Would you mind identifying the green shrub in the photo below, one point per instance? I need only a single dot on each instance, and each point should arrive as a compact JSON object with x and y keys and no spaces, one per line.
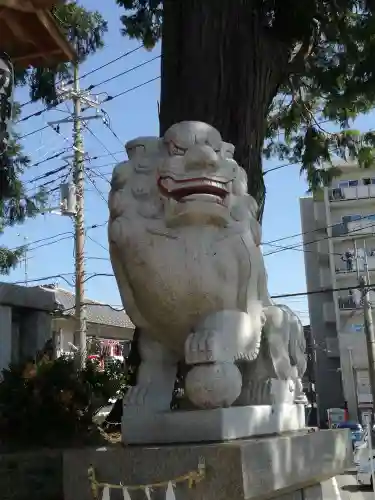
{"x":52,"y":402}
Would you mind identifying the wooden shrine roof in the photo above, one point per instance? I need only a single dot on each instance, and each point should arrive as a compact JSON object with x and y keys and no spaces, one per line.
{"x":30,"y":35}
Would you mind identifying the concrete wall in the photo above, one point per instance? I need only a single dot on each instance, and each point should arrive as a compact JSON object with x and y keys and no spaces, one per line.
{"x":25,"y":476}
{"x":35,"y":328}
{"x":328,"y":376}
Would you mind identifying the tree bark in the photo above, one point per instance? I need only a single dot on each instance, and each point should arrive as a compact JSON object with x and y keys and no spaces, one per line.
{"x":222,"y":67}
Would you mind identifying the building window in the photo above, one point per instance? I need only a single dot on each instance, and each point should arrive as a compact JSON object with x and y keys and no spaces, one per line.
{"x":368,"y":181}
{"x":345,"y":184}
{"x":351,"y":218}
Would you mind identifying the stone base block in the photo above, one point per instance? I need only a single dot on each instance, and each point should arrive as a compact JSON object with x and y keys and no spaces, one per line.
{"x":286,"y":467}
{"x":222,"y":424}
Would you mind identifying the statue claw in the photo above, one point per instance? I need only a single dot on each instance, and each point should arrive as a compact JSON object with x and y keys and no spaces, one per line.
{"x":224,"y":336}
{"x":136,"y":396}
{"x":200,"y":348}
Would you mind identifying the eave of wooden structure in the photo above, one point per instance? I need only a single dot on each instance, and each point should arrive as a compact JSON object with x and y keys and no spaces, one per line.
{"x":30,"y":35}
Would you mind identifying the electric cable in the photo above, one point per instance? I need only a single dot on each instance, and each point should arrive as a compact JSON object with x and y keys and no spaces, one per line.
{"x":100,"y":142}
{"x":322,"y":228}
{"x":71,"y":233}
{"x":85,"y":75}
{"x":110,"y":79}
{"x":286,"y":295}
{"x":298,"y":245}
{"x":50,"y":108}
{"x":97,"y":189}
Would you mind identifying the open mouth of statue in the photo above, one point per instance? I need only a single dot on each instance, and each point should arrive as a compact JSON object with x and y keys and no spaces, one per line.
{"x":186,"y":190}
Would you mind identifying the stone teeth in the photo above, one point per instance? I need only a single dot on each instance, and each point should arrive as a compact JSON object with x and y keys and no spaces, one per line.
{"x":170,"y":185}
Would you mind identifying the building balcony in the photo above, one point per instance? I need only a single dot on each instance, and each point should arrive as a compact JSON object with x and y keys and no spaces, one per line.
{"x":354,"y":229}
{"x":342,"y":270}
{"x":344,"y":196}
{"x":347,"y":304}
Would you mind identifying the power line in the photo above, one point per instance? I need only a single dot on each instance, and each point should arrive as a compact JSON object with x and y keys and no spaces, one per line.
{"x":34,"y":132}
{"x":47,"y":174}
{"x":46,"y":278}
{"x":62,"y":276}
{"x":278,"y":167}
{"x":97,"y":304}
{"x":52,"y":157}
{"x":50,"y":243}
{"x":295,"y":235}
{"x":91,"y":87}
{"x":286,"y":295}
{"x":350,"y":231}
{"x":98,"y":174}
{"x":100,"y":142}
{"x":92,"y":71}
{"x":97,"y":189}
{"x":93,"y":226}
{"x":109,"y":98}
{"x":44,"y":184}
{"x":43,"y":239}
{"x":281,"y":247}
{"x":49,"y":108}
{"x":97,"y":243}
{"x":315,"y":292}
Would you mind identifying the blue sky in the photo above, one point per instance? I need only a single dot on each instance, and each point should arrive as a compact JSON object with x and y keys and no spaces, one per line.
{"x":132,"y":115}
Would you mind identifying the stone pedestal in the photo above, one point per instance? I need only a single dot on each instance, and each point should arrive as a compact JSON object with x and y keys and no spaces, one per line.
{"x":221,"y":424}
{"x":290,"y":467}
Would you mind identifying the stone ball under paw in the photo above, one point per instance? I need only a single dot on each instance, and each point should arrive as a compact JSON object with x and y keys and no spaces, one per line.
{"x":215,"y":385}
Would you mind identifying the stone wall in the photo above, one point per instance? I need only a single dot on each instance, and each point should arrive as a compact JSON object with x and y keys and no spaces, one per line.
{"x":31,"y":476}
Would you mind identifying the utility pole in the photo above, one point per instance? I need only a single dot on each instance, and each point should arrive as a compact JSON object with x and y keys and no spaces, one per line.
{"x":368,"y":323}
{"x":78,"y":96}
{"x":79,"y":181}
{"x":26,"y":263}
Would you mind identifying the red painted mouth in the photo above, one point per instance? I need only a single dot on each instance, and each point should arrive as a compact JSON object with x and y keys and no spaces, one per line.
{"x":178,"y":190}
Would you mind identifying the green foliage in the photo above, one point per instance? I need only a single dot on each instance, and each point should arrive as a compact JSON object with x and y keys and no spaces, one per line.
{"x":328,"y":75}
{"x":51,"y":402}
{"x":108,"y":383}
{"x":144,"y":21}
{"x":85,"y":30}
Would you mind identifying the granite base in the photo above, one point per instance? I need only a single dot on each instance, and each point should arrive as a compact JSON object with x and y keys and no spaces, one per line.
{"x":285,"y":467}
{"x":222,"y":424}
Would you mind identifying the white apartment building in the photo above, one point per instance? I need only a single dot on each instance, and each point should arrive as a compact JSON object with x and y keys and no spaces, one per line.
{"x":338,"y":220}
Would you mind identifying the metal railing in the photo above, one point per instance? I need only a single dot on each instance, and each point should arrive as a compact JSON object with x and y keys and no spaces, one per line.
{"x":352,"y":193}
{"x":366,"y":226}
{"x":347,"y":303}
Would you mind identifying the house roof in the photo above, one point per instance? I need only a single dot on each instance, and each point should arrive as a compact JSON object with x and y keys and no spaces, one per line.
{"x":30,"y":34}
{"x":96,"y":312}
{"x":56,"y":300}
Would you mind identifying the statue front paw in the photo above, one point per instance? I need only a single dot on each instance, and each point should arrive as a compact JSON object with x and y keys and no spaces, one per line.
{"x":136,"y":396}
{"x":225,"y":336}
{"x":201,"y":347}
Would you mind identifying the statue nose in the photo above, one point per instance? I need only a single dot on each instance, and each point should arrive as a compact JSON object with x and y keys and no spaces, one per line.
{"x":201,"y":157}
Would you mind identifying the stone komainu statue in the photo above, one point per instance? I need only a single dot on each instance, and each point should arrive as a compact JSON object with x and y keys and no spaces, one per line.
{"x":185,"y":250}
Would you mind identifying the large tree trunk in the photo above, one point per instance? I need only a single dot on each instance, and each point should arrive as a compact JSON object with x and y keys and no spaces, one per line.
{"x":220,"y":66}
